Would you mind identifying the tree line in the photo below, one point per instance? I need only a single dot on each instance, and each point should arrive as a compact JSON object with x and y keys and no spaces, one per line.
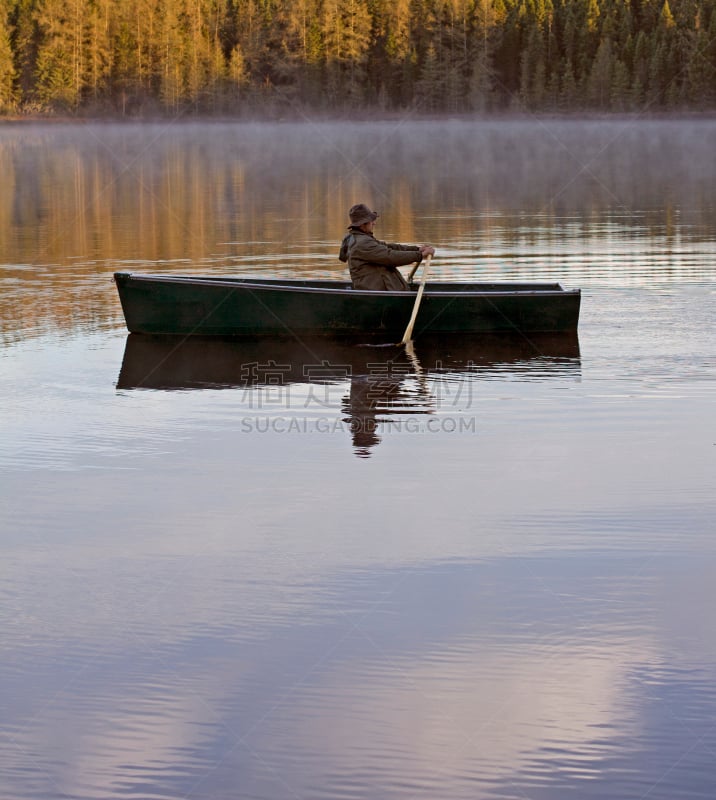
{"x":136,"y":57}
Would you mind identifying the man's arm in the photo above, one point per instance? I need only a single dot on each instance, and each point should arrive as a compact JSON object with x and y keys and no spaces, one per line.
{"x":388,"y":255}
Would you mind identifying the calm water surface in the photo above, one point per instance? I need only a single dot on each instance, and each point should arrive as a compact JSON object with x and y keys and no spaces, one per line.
{"x":302,"y":570}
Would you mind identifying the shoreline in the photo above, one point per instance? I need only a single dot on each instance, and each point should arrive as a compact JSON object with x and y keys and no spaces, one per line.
{"x":358,"y":118}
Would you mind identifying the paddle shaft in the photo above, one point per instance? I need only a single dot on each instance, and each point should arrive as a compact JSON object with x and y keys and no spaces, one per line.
{"x":414,"y":269}
{"x":409,"y":330}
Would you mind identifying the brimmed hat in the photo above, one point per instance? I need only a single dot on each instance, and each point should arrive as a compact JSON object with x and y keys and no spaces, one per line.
{"x":360,"y":214}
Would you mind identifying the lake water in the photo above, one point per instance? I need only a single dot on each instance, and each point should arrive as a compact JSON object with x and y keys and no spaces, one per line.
{"x":321,"y":571}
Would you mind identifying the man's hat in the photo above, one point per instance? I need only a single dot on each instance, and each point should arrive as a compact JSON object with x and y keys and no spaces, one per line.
{"x":360,"y":214}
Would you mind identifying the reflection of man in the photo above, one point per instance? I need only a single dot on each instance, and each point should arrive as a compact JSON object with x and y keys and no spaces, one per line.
{"x":363,"y":417}
{"x":370,"y":396}
{"x":373,"y":264}
{"x":376,"y":398}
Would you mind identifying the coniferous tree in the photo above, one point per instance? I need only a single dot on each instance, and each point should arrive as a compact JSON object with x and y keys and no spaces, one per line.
{"x":480,"y":82}
{"x":667,"y":18}
{"x":508,"y":54}
{"x":392,"y":65}
{"x":489,"y":16}
{"x":452,"y":52}
{"x":7,"y":68}
{"x":59,"y":69}
{"x":346,"y":39}
{"x":98,"y":49}
{"x":170,"y":56}
{"x":125,"y":78}
{"x":295,"y":46}
{"x":247,"y":29}
{"x":238,"y":75}
{"x":22,"y":28}
{"x":700,"y":74}
{"x":533,"y":84}
{"x":640,"y":70}
{"x":205,"y":67}
{"x":569,"y":93}
{"x":428,"y":90}
{"x":620,"y":99}
{"x":657,"y":76}
{"x":599,"y":83}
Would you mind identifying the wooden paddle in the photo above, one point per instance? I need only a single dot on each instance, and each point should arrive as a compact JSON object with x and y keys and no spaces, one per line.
{"x":413,"y":270}
{"x":409,"y":330}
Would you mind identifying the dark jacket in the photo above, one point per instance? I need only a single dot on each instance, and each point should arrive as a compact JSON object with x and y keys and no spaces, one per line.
{"x":373,"y":263}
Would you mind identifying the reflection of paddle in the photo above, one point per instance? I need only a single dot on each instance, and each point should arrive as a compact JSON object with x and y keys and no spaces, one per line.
{"x":419,"y":374}
{"x":409,"y":330}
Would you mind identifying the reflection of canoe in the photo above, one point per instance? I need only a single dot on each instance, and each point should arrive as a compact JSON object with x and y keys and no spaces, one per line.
{"x":164,"y":304}
{"x":176,"y":362}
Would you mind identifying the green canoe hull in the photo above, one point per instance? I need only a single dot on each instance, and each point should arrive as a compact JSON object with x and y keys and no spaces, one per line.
{"x":159,"y":304}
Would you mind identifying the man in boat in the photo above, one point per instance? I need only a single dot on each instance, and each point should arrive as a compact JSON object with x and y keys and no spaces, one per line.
{"x":374,"y":264}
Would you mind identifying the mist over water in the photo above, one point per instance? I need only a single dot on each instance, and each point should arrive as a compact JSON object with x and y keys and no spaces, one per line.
{"x":249,"y":176}
{"x":307,"y":569}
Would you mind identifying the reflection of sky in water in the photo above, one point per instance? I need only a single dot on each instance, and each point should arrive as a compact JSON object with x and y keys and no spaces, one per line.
{"x":550,"y":674}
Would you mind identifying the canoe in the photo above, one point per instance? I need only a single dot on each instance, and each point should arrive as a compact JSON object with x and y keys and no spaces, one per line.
{"x":225,"y":306}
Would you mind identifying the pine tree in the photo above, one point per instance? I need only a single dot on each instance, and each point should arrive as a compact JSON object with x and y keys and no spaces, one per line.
{"x":656,"y":86}
{"x":640,"y":69}
{"x":247,"y":29}
{"x":292,"y":45}
{"x":8,"y":96}
{"x":507,"y":54}
{"x":98,"y":48}
{"x":593,"y":15}
{"x":533,"y":79}
{"x":346,"y":36}
{"x":392,"y":67}
{"x":238,"y":76}
{"x":453,"y":53}
{"x":125,"y":80}
{"x":203,"y":63}
{"x":429,"y":88}
{"x":23,"y":31}
{"x":487,"y":17}
{"x":480,"y":83}
{"x":667,"y":18}
{"x":620,"y":98}
{"x":700,"y":74}
{"x":569,"y":94}
{"x":599,"y":83}
{"x":60,"y":56}
{"x":171,"y":55}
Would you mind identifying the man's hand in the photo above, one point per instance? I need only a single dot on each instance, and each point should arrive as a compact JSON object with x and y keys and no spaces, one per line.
{"x":427,"y":250}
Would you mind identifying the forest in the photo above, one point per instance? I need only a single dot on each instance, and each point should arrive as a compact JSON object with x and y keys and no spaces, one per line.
{"x":239,"y":57}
